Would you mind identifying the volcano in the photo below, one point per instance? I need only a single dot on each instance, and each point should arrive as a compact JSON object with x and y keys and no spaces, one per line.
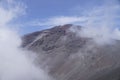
{"x":67,"y":55}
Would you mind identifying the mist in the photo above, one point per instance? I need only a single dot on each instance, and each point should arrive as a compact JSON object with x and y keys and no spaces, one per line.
{"x":102,"y":23}
{"x":14,"y":62}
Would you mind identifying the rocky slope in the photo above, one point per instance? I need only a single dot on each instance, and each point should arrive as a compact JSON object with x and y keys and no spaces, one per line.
{"x":67,"y":56}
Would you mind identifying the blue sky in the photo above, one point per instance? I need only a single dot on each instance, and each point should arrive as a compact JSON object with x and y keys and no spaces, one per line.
{"x":99,"y":19}
{"x":43,"y":9}
{"x":39,"y":9}
{"x":42,"y":14}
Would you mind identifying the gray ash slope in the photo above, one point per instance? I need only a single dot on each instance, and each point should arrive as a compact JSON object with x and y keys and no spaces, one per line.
{"x":67,"y":56}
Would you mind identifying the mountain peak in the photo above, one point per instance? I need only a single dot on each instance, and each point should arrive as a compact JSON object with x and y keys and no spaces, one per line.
{"x":58,"y":31}
{"x":70,"y":57}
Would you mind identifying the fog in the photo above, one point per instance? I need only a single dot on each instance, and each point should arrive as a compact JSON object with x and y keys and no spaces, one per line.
{"x":14,"y":62}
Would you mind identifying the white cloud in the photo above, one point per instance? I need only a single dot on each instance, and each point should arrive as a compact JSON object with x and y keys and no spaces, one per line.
{"x":9,"y":10}
{"x":60,"y":20}
{"x":102,"y":23}
{"x":14,"y":63}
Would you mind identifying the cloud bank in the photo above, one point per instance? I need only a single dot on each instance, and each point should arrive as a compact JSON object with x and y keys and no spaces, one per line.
{"x":14,"y":63}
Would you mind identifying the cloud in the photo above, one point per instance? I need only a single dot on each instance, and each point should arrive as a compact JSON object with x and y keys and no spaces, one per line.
{"x":9,"y":10}
{"x":59,"y":20}
{"x":14,"y":62}
{"x":102,"y":23}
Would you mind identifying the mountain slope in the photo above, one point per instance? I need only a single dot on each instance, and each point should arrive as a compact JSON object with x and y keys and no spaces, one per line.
{"x":68,"y":56}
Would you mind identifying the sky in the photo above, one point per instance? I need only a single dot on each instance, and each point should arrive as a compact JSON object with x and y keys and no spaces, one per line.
{"x":43,"y":14}
{"x":43,"y":9}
